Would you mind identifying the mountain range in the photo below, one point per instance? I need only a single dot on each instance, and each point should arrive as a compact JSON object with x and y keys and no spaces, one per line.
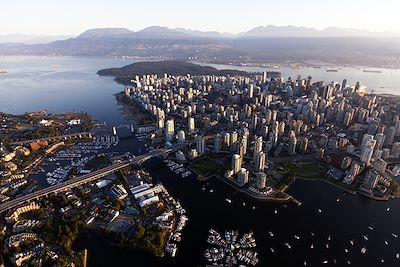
{"x":287,"y":44}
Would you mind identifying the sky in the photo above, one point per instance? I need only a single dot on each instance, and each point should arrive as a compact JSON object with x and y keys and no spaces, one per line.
{"x":71,"y":17}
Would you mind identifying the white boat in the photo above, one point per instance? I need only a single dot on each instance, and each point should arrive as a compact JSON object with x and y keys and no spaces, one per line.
{"x":228,"y":200}
{"x":271,"y":234}
{"x":319,"y":210}
{"x":394,"y":235}
{"x":203,"y":188}
{"x":305,"y":263}
{"x":297,"y":237}
{"x":325,"y":262}
{"x":363,"y":250}
{"x":386,"y":243}
{"x":346,"y":250}
{"x":388,"y":209}
{"x":397,"y":255}
{"x":365,"y":237}
{"x":348,"y":262}
{"x":288,"y":245}
{"x":211,"y":191}
{"x":312,"y":233}
{"x":312,"y":246}
{"x":327,"y":245}
{"x":244,"y":204}
{"x":254,"y":207}
{"x":276,"y":211}
{"x":329,"y":238}
{"x":338,"y":199}
{"x":272,"y":250}
{"x":371,"y":228}
{"x":352,"y":242}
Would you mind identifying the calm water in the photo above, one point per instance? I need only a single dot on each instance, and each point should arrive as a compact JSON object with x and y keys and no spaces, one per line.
{"x":32,"y":84}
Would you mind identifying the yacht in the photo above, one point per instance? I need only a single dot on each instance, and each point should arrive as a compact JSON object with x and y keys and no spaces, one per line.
{"x":386,"y":243}
{"x":352,"y":242}
{"x":271,"y":234}
{"x":365,"y":237}
{"x":371,"y":228}
{"x":394,"y":235}
{"x":228,"y":200}
{"x":272,"y":250}
{"x":288,"y":245}
{"x":363,"y":250}
{"x":297,"y":237}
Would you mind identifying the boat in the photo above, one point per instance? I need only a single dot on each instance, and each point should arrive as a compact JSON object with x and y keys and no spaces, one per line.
{"x":388,"y":209}
{"x":272,"y":250}
{"x":276,"y":211}
{"x":329,"y":237}
{"x":312,"y":246}
{"x":297,"y":237}
{"x":325,"y":262}
{"x":352,"y":242}
{"x":244,"y":204}
{"x":338,"y":199}
{"x":386,"y":243}
{"x":319,"y":210}
{"x":288,"y":245}
{"x":373,"y":71}
{"x":327,"y":245}
{"x":305,"y":263}
{"x":348,"y":262}
{"x":371,"y":228}
{"x":211,"y":191}
{"x":397,"y":255}
{"x":312,"y":233}
{"x":363,"y":250}
{"x":346,"y":250}
{"x":365,"y":237}
{"x":203,"y":188}
{"x":332,"y":70}
{"x":271,"y":234}
{"x":228,"y":200}
{"x":254,"y":207}
{"x":394,"y":235}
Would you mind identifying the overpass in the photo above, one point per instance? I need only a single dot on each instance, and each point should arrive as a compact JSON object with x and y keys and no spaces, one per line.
{"x":87,"y":178}
{"x":55,"y":138}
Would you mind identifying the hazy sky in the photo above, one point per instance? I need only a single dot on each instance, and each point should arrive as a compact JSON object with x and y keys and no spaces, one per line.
{"x":74,"y":16}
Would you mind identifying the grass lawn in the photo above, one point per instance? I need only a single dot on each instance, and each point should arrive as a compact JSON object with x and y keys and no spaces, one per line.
{"x":206,"y":166}
{"x":309,"y":170}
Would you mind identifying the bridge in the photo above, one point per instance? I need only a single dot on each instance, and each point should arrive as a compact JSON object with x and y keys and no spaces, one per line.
{"x":55,"y":138}
{"x":87,"y":178}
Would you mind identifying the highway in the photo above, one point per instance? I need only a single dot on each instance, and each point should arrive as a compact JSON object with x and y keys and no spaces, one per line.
{"x":77,"y":181}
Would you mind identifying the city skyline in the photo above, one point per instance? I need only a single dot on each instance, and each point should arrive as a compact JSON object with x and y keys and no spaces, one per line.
{"x":63,"y":18}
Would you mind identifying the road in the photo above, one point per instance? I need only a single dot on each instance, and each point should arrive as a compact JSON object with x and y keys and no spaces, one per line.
{"x":77,"y":181}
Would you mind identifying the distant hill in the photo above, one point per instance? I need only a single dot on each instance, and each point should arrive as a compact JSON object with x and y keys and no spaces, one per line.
{"x":127,"y":73}
{"x":264,"y":44}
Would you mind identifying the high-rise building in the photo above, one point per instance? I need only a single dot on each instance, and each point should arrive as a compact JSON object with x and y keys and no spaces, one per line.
{"x":391,"y":133}
{"x":181,"y":137}
{"x":201,"y":146}
{"x":395,"y":152}
{"x":191,"y":125}
{"x":367,"y":151}
{"x":380,"y":139}
{"x":260,"y":161}
{"x":243,"y":176}
{"x":170,"y":130}
{"x":292,"y":144}
{"x":380,"y":165}
{"x":236,"y":163}
{"x":261,"y":180}
{"x":217,"y":143}
{"x":258,"y":146}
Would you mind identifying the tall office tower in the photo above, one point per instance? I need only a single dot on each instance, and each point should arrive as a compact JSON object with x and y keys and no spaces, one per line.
{"x":367,"y":151}
{"x":380,"y":139}
{"x":201,"y":146}
{"x":264,"y":77}
{"x":391,"y":133}
{"x":380,"y":165}
{"x":268,"y":100}
{"x":344,"y":84}
{"x":354,"y":169}
{"x":243,"y":176}
{"x":261,"y":181}
{"x":254,"y":121}
{"x":304,"y":144}
{"x":181,"y":137}
{"x":395,"y":152}
{"x":268,"y":117}
{"x":274,"y":115}
{"x":251,"y":91}
{"x":366,"y":138}
{"x":265,"y":131}
{"x":260,"y":161}
{"x":258,"y":146}
{"x":217,"y":143}
{"x":170,"y":130}
{"x":234,"y":141}
{"x":160,"y":123}
{"x":281,"y":128}
{"x":347,"y":119}
{"x":373,"y":126}
{"x":236,"y":163}
{"x":191,"y":125}
{"x":292,"y":144}
{"x":243,"y":143}
{"x":227,"y":139}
